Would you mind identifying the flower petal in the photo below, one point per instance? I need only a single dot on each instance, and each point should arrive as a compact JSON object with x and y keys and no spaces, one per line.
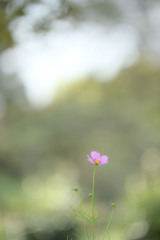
{"x":90,"y":159}
{"x":95,"y":155}
{"x":104,"y":159}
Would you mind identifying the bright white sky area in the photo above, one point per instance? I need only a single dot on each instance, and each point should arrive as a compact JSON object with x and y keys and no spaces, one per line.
{"x":65,"y":54}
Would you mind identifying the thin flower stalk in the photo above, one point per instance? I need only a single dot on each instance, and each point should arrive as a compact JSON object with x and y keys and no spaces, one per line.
{"x":110,"y":219}
{"x":93,"y":201}
{"x":80,"y":201}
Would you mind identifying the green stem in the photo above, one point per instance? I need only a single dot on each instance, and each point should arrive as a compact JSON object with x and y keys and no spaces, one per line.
{"x":93,"y":202}
{"x":80,"y":200}
{"x":110,"y":219}
{"x":82,"y":207}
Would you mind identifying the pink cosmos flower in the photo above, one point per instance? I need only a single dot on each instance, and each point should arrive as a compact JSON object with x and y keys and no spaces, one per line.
{"x":97,"y":158}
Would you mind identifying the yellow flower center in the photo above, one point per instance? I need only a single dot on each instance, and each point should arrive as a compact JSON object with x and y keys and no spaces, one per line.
{"x":96,"y":161}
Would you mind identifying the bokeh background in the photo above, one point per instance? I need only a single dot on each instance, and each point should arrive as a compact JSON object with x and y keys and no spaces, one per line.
{"x":78,"y":76}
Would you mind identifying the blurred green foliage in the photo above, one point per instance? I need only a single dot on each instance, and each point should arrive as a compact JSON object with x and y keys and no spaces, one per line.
{"x":119,"y":118}
{"x":43,"y":152}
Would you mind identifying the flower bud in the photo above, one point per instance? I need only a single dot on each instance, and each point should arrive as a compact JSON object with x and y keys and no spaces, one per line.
{"x":75,"y":189}
{"x":113,"y":205}
{"x":90,"y":195}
